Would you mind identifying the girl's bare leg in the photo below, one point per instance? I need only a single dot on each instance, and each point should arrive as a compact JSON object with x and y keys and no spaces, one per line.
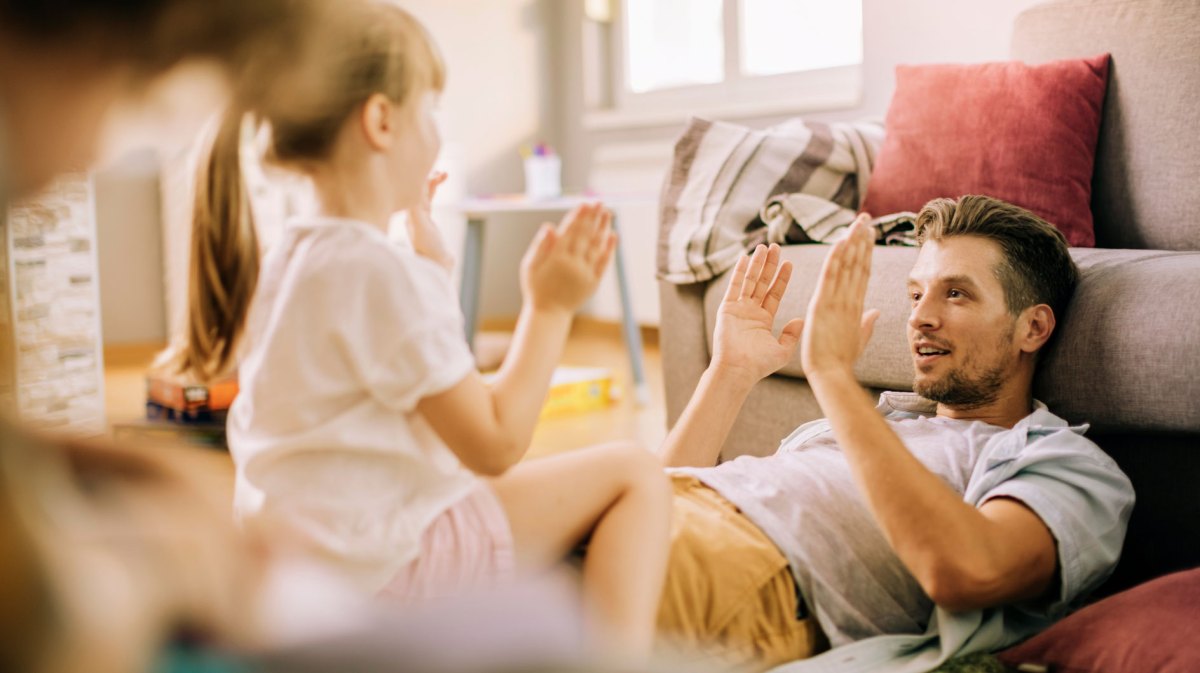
{"x":619,"y":494}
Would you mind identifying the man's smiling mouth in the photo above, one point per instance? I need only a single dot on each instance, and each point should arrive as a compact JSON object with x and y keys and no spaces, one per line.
{"x":927,"y":353}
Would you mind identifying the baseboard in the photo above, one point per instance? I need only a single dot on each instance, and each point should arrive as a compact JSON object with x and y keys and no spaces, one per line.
{"x":583,"y":325}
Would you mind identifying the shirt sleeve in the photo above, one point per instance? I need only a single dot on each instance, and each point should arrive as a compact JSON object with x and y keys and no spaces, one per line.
{"x":404,"y":330}
{"x":1084,"y":499}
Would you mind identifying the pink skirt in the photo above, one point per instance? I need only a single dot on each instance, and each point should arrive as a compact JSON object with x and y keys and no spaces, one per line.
{"x":467,"y":547}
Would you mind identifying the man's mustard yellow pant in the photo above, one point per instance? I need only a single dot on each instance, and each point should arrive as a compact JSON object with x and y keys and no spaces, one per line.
{"x":729,"y":595}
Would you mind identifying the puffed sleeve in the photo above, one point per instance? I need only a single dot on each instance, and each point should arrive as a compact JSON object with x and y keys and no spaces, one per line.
{"x":403,"y":332}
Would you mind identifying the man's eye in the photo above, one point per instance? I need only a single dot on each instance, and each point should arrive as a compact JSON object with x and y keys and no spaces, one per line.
{"x":954,"y":294}
{"x":915,"y":296}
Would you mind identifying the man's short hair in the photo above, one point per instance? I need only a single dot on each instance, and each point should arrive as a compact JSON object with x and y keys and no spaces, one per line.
{"x":1037,"y":267}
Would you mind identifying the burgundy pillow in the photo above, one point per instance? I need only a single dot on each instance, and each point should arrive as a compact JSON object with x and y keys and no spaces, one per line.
{"x":1025,"y":134}
{"x":1151,"y":627}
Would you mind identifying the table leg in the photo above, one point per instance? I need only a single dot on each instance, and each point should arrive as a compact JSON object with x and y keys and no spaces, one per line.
{"x":468,"y":291}
{"x":633,"y":333}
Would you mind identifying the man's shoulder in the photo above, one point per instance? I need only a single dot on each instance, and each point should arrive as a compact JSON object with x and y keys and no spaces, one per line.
{"x":1062,"y":444}
{"x":1054,"y":450}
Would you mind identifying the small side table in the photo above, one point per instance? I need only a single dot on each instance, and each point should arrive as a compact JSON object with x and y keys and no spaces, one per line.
{"x":477,"y":210}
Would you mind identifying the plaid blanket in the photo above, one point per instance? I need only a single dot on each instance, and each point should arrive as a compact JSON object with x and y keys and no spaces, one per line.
{"x":731,"y":188}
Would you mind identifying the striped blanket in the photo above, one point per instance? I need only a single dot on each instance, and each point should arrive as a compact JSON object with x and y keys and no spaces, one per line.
{"x":731,"y":188}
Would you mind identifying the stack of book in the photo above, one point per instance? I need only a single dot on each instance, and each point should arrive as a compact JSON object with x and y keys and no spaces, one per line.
{"x":182,"y":410}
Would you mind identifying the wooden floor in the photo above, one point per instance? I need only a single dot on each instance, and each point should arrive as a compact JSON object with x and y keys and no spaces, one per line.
{"x":591,"y":344}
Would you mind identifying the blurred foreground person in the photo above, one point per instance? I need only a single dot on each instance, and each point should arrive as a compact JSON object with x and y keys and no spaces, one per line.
{"x":122,"y":560}
{"x":90,"y":574}
{"x":109,"y":550}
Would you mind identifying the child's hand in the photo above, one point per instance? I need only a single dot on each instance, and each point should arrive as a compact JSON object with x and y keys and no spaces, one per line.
{"x":563,"y":264}
{"x":424,"y":234}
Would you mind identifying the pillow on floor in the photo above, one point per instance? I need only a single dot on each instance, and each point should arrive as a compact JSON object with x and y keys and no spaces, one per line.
{"x":1151,"y":627}
{"x":1022,"y":133}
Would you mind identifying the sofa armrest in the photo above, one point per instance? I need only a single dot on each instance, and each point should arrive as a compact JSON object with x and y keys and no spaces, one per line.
{"x":683,"y":342}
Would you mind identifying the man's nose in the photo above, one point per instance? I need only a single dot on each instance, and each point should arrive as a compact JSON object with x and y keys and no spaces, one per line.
{"x":924,"y":316}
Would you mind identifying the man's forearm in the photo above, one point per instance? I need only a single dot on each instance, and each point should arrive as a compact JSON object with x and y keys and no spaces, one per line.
{"x":701,"y":430}
{"x":935,"y":533}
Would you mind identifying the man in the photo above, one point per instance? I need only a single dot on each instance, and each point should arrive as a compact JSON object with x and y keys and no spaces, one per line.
{"x":962,"y":517}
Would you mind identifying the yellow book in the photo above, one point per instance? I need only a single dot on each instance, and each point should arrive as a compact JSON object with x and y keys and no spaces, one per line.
{"x":576,"y":389}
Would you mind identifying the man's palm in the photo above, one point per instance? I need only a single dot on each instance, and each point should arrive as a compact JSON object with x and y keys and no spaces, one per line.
{"x":743,"y":340}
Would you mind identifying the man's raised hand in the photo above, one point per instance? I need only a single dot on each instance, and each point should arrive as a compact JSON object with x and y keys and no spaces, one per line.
{"x":837,"y":328}
{"x":743,"y":342}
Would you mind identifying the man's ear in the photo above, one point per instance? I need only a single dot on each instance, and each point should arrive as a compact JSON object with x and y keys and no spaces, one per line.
{"x":376,"y":121}
{"x":1037,"y":323}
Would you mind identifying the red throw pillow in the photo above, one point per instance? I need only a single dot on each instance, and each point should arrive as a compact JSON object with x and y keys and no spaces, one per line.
{"x":1022,"y":133}
{"x":1151,"y":627}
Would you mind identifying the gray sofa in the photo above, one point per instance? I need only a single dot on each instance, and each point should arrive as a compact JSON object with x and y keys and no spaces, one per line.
{"x":1128,"y":357}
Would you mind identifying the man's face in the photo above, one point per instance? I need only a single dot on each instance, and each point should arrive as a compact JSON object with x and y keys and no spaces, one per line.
{"x":960,"y":331}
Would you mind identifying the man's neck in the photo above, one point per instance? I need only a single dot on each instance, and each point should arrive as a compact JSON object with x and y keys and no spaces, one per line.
{"x":1003,"y":412}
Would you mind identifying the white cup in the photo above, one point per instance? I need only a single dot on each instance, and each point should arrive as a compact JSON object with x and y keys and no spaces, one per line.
{"x":543,"y":177}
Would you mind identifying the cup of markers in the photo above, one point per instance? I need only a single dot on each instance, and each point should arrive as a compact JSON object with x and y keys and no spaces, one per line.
{"x":543,"y":172}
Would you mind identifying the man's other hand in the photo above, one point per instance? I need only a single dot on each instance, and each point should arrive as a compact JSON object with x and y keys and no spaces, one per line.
{"x":743,"y":343}
{"x":837,"y":329}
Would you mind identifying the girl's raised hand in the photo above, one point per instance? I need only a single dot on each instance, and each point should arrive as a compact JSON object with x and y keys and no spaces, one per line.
{"x":564,"y":264}
{"x":424,"y":234}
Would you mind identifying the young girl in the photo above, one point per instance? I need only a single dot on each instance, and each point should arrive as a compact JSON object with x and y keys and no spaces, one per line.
{"x":362,"y":427}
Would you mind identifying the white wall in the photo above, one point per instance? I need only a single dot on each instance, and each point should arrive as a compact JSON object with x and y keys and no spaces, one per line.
{"x":911,"y":31}
{"x":129,"y":248}
{"x":499,"y":57}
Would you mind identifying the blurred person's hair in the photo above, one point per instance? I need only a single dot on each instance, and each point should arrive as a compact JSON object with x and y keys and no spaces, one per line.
{"x":154,"y":35}
{"x":373,"y":49}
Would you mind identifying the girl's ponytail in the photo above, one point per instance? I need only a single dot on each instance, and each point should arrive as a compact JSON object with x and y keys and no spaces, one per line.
{"x":224,"y":264}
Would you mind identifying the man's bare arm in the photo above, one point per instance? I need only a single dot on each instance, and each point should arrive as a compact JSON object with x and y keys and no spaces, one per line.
{"x":964,"y":558}
{"x":698,"y":435}
{"x":744,"y":351}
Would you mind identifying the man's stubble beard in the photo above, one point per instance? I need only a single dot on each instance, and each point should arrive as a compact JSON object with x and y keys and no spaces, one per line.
{"x":959,"y":392}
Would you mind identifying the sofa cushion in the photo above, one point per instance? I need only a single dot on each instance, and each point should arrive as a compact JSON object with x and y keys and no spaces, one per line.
{"x":1151,"y":627}
{"x":1146,"y":158}
{"x":1128,"y":353}
{"x":1024,"y":134}
{"x":1129,"y":358}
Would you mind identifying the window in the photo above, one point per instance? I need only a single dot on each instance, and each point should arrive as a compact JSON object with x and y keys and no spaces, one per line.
{"x":654,"y":61}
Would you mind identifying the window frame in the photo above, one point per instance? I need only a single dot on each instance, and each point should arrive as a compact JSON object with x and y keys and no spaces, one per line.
{"x":610,"y":103}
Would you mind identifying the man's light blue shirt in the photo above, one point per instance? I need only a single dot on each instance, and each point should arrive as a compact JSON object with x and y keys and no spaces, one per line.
{"x":1073,"y":486}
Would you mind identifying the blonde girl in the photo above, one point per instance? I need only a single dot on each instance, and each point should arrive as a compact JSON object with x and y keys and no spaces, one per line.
{"x":362,"y":426}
